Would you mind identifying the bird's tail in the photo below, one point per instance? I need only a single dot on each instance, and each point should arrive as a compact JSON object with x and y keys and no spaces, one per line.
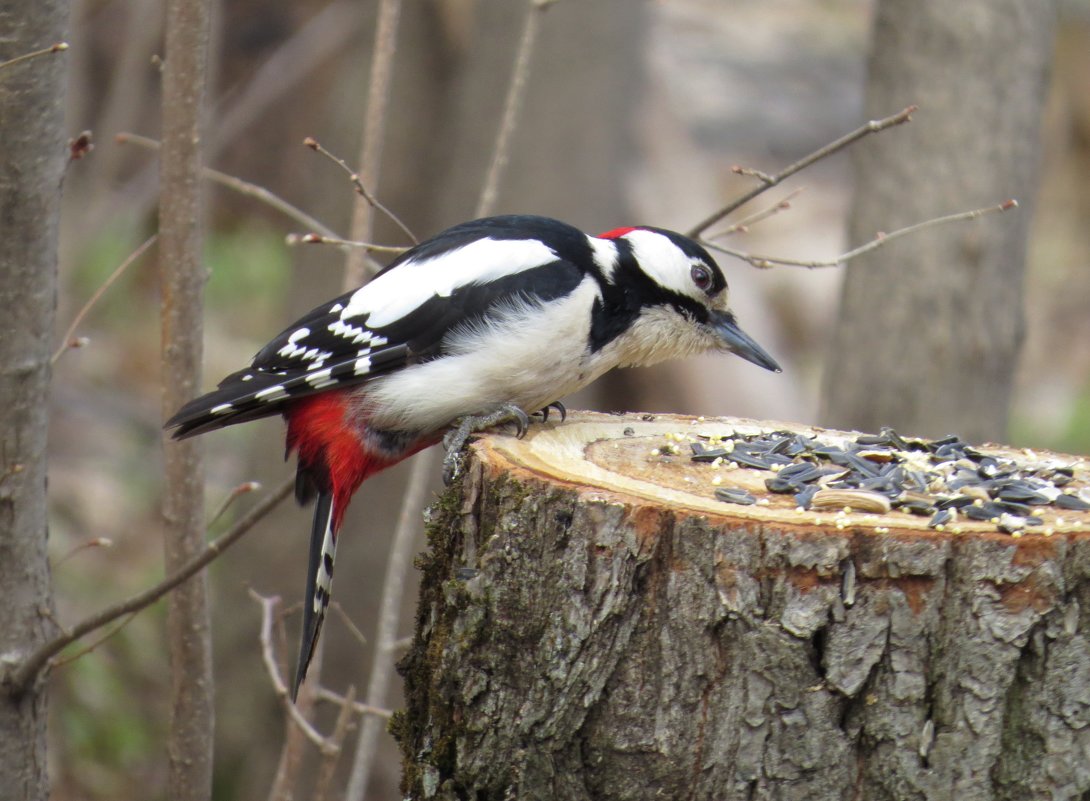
{"x":323,"y":550}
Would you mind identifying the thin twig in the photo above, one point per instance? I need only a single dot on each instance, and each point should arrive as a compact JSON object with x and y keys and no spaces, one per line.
{"x":349,"y":623}
{"x":59,"y":47}
{"x":20,"y":677}
{"x":769,"y":181}
{"x":325,"y":694}
{"x":236,"y":184}
{"x":295,"y":739}
{"x":66,"y":340}
{"x":94,"y":542}
{"x":268,"y":606}
{"x":318,"y":239}
{"x":516,"y":91}
{"x":59,"y":663}
{"x":335,"y":743}
{"x":374,"y":133}
{"x":361,"y":190}
{"x":765,"y":262}
{"x":744,"y":224}
{"x":242,"y":489}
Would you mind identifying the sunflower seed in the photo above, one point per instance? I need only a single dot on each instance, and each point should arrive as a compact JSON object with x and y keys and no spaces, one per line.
{"x":859,"y":500}
{"x":941,"y":518}
{"x":735,"y":495}
{"x":1072,"y":503}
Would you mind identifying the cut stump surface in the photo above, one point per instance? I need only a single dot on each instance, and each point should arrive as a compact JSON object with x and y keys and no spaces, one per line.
{"x":595,"y":624}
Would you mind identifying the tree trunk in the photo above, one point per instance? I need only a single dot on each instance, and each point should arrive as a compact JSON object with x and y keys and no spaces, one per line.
{"x":182,"y":277}
{"x":930,"y":327}
{"x":594,"y":624}
{"x":32,"y":163}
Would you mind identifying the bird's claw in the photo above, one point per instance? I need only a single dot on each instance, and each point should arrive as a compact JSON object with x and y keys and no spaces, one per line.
{"x":560,"y":409}
{"x":455,"y":439}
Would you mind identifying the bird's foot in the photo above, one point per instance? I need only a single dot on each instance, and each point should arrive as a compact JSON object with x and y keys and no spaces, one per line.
{"x":456,"y":438}
{"x":560,"y":409}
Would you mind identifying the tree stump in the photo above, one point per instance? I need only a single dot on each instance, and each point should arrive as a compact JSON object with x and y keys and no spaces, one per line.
{"x":595,"y":624}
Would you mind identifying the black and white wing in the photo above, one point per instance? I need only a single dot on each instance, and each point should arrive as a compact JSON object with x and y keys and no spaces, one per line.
{"x":400,"y":317}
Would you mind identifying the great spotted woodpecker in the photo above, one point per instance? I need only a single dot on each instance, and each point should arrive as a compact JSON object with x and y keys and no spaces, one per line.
{"x":487,"y":321}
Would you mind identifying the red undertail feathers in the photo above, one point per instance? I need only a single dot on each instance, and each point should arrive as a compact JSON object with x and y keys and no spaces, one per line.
{"x":334,"y":460}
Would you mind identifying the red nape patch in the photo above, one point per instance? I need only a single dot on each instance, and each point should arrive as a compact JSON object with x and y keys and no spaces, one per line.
{"x":319,"y":429}
{"x":616,"y":233}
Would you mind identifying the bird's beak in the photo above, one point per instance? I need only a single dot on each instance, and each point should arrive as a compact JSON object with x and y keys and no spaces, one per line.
{"x":740,"y":343}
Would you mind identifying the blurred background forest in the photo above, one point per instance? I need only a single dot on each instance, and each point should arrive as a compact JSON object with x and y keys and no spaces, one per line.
{"x":635,"y":113}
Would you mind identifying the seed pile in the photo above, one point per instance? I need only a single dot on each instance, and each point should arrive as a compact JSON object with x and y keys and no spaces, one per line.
{"x":946,"y":479}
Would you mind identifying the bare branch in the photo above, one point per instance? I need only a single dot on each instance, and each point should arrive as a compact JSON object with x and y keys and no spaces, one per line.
{"x":335,"y":744}
{"x":349,"y":623}
{"x":236,"y":184}
{"x":59,"y":47}
{"x":59,"y":663}
{"x":374,"y":131}
{"x":24,"y":673}
{"x":361,"y":190}
{"x":769,"y":181}
{"x":268,"y":606}
{"x":325,"y":694}
{"x":67,"y":341}
{"x":512,"y":105}
{"x":295,"y":740}
{"x":765,"y":262}
{"x":317,"y":239}
{"x":94,"y":542}
{"x":242,"y":489}
{"x":758,"y":216}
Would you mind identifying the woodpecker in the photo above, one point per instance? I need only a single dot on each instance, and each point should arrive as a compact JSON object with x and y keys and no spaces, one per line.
{"x":487,"y":321}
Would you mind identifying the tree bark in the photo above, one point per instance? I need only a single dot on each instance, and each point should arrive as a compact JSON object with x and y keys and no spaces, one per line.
{"x":930,"y":328}
{"x":594,"y":624}
{"x":182,"y":277}
{"x":32,"y":162}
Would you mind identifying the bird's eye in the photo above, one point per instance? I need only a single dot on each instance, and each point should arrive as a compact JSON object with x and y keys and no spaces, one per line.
{"x":702,"y":277}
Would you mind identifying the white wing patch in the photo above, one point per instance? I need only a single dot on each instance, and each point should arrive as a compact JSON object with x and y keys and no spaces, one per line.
{"x":395,"y":294}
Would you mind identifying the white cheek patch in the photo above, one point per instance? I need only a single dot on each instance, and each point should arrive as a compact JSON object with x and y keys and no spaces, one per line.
{"x":395,"y":294}
{"x":662,"y":260}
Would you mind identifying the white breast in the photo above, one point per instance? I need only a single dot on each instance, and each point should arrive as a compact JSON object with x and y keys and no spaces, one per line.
{"x":527,"y":355}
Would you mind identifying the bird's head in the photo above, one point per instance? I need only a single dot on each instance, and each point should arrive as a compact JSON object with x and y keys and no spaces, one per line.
{"x":683,"y":297}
